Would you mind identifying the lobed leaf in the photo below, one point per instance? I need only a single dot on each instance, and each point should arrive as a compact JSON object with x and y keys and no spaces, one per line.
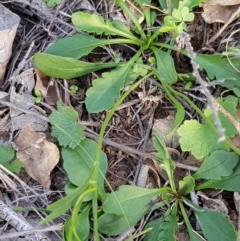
{"x":165,"y":66}
{"x":215,"y":224}
{"x":219,"y":164}
{"x":128,"y":200}
{"x":186,"y":186}
{"x":67,"y":68}
{"x":64,"y":126}
{"x":93,"y":23}
{"x":168,"y":228}
{"x":199,"y":139}
{"x":105,"y":90}
{"x":156,"y":228}
{"x":6,"y":155}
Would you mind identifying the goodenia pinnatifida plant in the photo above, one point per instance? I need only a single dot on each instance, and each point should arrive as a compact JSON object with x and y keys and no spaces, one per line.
{"x":122,"y":209}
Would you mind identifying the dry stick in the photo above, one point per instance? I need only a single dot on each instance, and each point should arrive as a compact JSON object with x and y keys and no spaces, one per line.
{"x":20,"y":108}
{"x":204,"y":86}
{"x":56,"y":227}
{"x":137,"y":152}
{"x":19,"y":223}
{"x":147,"y":133}
{"x":235,"y":15}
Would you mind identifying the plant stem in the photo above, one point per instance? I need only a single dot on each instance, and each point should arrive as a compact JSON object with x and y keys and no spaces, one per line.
{"x":124,"y":41}
{"x":125,"y":8}
{"x":185,"y":217}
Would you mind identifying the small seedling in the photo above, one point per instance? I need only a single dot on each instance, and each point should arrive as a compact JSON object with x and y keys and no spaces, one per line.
{"x":74,"y":89}
{"x":38,"y":95}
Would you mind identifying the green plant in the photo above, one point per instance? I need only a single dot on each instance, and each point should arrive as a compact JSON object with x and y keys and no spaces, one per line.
{"x":6,"y":155}
{"x":38,"y":95}
{"x":83,"y":157}
{"x":73,"y":89}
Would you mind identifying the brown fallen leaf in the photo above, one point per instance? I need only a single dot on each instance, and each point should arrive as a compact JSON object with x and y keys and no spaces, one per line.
{"x":8,"y":28}
{"x":219,"y":10}
{"x":37,"y":154}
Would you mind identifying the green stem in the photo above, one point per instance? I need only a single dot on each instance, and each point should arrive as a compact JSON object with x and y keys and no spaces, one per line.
{"x":135,"y":41}
{"x":95,"y":214}
{"x":104,"y":126}
{"x":185,"y":217}
{"x":153,"y":37}
{"x":125,"y":8}
{"x":109,"y":116}
{"x":75,"y":214}
{"x":207,"y":121}
{"x":147,"y":14}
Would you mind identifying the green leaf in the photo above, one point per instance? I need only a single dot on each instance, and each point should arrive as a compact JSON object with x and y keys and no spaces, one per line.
{"x":112,"y":224}
{"x":65,"y":127}
{"x":199,"y":139}
{"x":6,"y":155}
{"x":76,"y":46}
{"x":186,"y":186}
{"x":163,"y":4}
{"x":230,"y":105}
{"x":82,"y":225}
{"x":159,"y":145}
{"x":190,"y":3}
{"x":230,"y":183}
{"x":51,"y":3}
{"x":215,"y":224}
{"x":93,"y":23}
{"x":122,"y":27}
{"x":79,"y":162}
{"x":15,"y":166}
{"x":155,"y":225}
{"x":168,"y":227}
{"x":105,"y":90}
{"x":177,"y":16}
{"x":219,"y":67}
{"x":179,"y":117}
{"x":128,"y":199}
{"x":67,"y":68}
{"x":219,"y":164}
{"x":165,"y":66}
{"x":62,"y":205}
{"x":141,"y":2}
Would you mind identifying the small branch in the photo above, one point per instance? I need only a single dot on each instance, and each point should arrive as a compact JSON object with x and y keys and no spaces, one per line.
{"x":57,"y":227}
{"x":204,"y":86}
{"x":19,"y":224}
{"x":130,"y":150}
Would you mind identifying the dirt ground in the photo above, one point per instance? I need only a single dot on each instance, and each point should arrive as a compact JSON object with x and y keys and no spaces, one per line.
{"x":127,"y":141}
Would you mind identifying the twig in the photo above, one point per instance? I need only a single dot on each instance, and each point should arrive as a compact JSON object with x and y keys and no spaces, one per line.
{"x":19,"y":223}
{"x":128,"y":149}
{"x":56,"y":227}
{"x":204,"y":86}
{"x":14,"y":106}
